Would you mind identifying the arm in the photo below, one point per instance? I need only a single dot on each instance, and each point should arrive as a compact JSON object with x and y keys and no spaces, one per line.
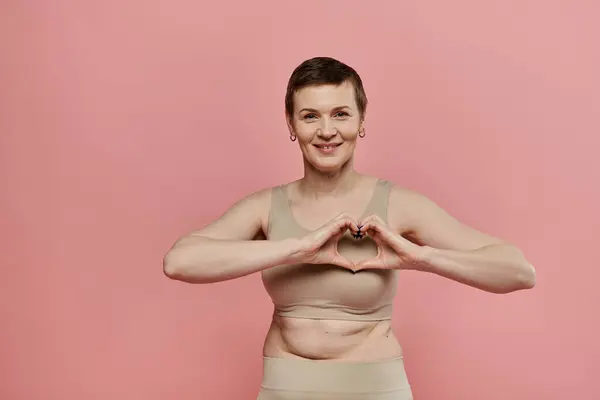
{"x":456,"y":251}
{"x":225,"y":249}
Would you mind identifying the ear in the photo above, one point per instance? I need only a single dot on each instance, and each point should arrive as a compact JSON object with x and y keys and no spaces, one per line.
{"x":288,"y":121}
{"x":361,"y":128}
{"x":362,"y":122}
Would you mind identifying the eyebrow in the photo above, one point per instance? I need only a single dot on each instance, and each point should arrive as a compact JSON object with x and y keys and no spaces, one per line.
{"x":338,"y":108}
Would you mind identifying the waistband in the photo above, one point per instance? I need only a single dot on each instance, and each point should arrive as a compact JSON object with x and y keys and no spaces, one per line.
{"x":334,"y":312}
{"x":295,"y":374}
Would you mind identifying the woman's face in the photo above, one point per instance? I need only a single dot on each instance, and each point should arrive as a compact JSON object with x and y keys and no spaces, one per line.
{"x":326,"y":122}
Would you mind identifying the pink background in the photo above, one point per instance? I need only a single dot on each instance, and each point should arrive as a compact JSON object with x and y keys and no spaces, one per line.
{"x":124,"y":124}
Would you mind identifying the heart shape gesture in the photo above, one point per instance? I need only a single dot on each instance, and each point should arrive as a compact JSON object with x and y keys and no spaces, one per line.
{"x":320,"y":246}
{"x":393,"y":251}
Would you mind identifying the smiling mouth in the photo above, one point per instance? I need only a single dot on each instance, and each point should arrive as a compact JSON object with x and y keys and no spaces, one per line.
{"x":327,"y":146}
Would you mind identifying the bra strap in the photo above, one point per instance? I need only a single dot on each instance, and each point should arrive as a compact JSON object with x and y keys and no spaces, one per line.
{"x":379,"y":203}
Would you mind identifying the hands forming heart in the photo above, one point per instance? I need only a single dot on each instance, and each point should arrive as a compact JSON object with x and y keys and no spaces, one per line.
{"x":393,"y":251}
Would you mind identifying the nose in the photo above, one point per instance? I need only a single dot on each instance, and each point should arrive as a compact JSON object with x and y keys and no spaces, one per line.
{"x":327,"y":130}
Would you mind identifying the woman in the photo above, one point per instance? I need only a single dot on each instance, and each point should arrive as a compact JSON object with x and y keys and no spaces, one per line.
{"x":336,"y":241}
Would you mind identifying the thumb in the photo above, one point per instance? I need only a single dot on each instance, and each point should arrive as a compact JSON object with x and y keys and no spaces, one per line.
{"x":342,"y":261}
{"x":372,"y":263}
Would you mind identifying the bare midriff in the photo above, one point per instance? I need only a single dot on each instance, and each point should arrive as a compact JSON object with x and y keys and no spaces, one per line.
{"x":334,"y":340}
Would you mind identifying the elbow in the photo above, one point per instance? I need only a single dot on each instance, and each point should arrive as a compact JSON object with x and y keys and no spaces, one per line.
{"x":175,"y":268}
{"x":527,"y":277}
{"x":171,"y":268}
{"x":523,"y":279}
{"x":179,"y":269}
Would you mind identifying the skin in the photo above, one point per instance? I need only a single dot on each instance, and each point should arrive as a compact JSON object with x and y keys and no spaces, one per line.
{"x":419,"y":235}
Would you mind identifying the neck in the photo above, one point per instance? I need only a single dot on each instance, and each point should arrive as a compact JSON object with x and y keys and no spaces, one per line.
{"x":318,"y":182}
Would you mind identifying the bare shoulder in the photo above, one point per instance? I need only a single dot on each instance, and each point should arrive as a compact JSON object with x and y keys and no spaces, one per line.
{"x":245,"y":219}
{"x":423,"y":221}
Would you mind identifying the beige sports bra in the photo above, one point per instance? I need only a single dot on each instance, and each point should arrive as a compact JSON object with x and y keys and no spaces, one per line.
{"x":329,"y":291}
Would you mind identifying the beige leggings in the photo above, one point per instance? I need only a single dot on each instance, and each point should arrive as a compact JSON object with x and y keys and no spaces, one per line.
{"x":298,"y":379}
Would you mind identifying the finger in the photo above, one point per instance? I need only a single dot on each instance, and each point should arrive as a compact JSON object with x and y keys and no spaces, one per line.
{"x":398,"y":245}
{"x":343,"y":225}
{"x":353,"y":227}
{"x":336,"y":237}
{"x":326,"y":233}
{"x":357,"y":229}
{"x":377,"y":238}
{"x":377,"y":229}
{"x":373,"y":263}
{"x":342,"y":262}
{"x":359,"y":233}
{"x":369,"y":222}
{"x":350,"y":222}
{"x":370,"y":218}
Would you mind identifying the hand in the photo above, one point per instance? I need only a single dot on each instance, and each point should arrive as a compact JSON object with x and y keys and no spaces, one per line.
{"x":320,"y":246}
{"x":395,"y":252}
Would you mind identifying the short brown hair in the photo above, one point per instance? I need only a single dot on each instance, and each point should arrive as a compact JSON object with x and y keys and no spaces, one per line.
{"x":324,"y":71}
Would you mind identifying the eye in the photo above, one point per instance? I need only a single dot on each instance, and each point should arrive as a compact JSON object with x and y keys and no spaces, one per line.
{"x":341,"y":114}
{"x":309,"y":116}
